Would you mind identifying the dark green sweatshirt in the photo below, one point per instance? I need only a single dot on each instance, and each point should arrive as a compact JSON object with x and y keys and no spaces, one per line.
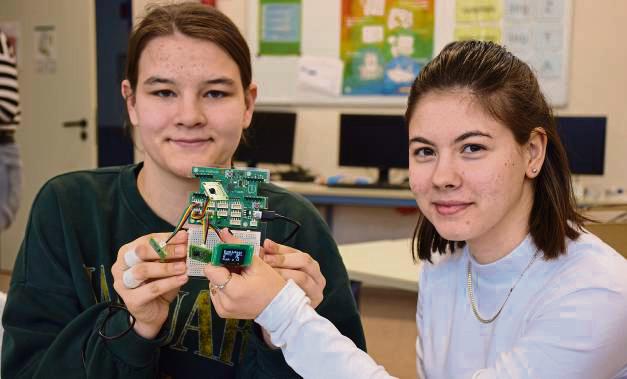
{"x":62,"y":284}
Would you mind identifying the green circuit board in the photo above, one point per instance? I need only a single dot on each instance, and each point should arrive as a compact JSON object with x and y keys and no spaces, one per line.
{"x":228,"y":197}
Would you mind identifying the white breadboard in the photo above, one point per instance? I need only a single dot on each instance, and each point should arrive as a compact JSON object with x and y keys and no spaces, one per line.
{"x":194,"y":232}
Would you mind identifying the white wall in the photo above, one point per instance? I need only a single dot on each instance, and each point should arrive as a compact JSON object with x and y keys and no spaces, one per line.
{"x":598,"y":84}
{"x":233,"y":8}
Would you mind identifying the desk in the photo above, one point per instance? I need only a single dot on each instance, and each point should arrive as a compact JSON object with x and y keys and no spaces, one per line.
{"x":605,"y":204}
{"x":325,"y":195}
{"x":385,"y":263}
{"x":369,"y":197}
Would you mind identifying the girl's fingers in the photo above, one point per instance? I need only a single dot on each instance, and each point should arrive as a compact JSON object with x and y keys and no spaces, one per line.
{"x":148,"y":292}
{"x":299,"y":262}
{"x":276,"y":248}
{"x":228,"y":237}
{"x":156,"y":270}
{"x":140,"y":250}
{"x":217,"y":274}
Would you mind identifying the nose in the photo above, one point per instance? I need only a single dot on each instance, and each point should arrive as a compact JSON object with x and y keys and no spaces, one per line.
{"x":190,"y":112}
{"x":445,"y":174}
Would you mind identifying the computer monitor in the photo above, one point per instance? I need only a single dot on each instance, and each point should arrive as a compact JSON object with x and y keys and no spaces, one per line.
{"x":270,"y":139}
{"x":379,"y":141}
{"x":584,"y":141}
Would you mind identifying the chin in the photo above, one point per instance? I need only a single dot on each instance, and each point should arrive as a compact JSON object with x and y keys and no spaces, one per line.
{"x":183,"y":169}
{"x":453,"y":231}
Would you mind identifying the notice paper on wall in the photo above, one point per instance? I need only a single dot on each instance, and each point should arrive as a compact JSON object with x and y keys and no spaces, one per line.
{"x":321,"y":73}
{"x":45,"y":49}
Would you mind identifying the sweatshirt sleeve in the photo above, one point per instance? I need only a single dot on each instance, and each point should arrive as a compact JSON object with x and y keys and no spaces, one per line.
{"x":312,"y":346}
{"x":51,"y":318}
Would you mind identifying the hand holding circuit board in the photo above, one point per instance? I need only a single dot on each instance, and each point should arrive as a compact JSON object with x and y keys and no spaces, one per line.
{"x":227,"y":198}
{"x":244,"y":295}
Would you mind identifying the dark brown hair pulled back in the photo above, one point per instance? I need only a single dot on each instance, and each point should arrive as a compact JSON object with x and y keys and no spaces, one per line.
{"x":193,"y":20}
{"x":507,"y":89}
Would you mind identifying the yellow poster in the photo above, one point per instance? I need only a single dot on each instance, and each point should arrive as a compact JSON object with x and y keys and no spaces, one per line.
{"x":487,"y":33}
{"x":478,"y":10}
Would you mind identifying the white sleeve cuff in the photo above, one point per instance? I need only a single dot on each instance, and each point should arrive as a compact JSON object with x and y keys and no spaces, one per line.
{"x":282,"y":308}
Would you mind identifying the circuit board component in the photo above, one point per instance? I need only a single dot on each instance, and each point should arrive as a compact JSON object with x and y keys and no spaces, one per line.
{"x":232,"y":254}
{"x":229,"y":196}
{"x":226,"y":198}
{"x":159,"y":248}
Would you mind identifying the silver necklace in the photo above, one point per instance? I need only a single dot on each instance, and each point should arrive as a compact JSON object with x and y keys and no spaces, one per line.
{"x":471,"y":296}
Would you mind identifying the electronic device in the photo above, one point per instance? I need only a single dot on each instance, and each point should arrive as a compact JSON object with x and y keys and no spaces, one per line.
{"x":270,"y":139}
{"x":227,"y":198}
{"x":379,"y":141}
{"x":584,"y":141}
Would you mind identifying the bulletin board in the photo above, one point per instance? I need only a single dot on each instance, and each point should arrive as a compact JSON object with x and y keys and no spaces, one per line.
{"x":537,"y":31}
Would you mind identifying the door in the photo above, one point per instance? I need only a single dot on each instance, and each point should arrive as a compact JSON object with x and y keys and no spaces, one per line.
{"x":57,"y":78}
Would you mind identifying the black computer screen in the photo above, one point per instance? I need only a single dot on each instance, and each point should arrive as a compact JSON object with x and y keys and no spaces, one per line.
{"x":584,"y":141}
{"x":379,"y":141}
{"x":270,"y":139}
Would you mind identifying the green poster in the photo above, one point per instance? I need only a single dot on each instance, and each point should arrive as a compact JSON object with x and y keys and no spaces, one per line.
{"x":280,"y":27}
{"x":384,"y":44}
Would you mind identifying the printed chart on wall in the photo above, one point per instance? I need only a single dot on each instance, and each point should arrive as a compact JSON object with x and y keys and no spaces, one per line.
{"x":384,"y":44}
{"x":536,"y":31}
{"x":279,"y":27}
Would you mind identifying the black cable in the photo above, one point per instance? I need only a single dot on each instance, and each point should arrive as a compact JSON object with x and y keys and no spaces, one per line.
{"x":111,"y":310}
{"x":272,"y":215}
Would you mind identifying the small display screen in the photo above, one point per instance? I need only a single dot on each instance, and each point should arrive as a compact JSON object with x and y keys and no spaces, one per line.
{"x":232,"y":257}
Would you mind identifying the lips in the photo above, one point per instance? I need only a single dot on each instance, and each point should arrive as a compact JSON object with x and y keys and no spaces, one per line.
{"x":190,"y":142}
{"x":449,"y":208}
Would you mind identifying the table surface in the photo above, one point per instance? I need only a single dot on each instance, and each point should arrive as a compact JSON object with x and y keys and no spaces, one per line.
{"x":322,"y":190}
{"x":386,"y":263}
{"x":404,"y":196}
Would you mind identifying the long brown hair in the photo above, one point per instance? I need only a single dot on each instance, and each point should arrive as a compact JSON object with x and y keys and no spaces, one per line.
{"x":505,"y":88}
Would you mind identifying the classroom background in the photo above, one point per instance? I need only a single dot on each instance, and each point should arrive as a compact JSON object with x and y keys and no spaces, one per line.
{"x":71,"y":58}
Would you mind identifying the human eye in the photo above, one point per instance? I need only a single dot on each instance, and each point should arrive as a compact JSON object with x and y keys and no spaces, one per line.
{"x":163,"y":93}
{"x":423,"y":152}
{"x":473,"y":148}
{"x":216,"y":94}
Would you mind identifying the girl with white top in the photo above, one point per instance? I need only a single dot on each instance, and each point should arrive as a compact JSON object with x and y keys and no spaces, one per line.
{"x":512,"y":286}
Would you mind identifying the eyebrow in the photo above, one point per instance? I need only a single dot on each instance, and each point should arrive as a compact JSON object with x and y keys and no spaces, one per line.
{"x":159,"y":80}
{"x":473,"y":133}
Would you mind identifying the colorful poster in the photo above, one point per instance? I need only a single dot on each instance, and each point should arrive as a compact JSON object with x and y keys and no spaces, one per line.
{"x":478,"y":19}
{"x":279,"y":27}
{"x":478,"y":10}
{"x":384,"y":44}
{"x":482,"y":33}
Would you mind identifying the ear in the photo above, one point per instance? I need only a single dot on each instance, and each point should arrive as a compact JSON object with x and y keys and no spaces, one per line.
{"x":536,"y":148}
{"x":250,"y":95}
{"x":129,"y":99}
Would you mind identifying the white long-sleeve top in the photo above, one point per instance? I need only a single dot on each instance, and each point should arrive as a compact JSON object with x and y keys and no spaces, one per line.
{"x":566,"y":318}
